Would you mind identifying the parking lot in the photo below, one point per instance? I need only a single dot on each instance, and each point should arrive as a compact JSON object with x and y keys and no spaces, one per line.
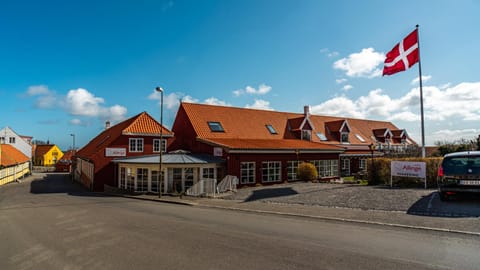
{"x":414,"y":201}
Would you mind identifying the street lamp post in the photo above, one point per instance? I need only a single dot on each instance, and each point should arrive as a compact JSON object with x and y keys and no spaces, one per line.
{"x":73,"y":146}
{"x":372,"y":149}
{"x":160,"y":178}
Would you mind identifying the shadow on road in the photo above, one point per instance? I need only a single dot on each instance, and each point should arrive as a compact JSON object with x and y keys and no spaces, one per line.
{"x":270,"y":193}
{"x":59,"y":183}
{"x":465,"y":205}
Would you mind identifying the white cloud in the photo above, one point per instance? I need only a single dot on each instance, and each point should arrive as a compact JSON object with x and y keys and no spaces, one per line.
{"x":453,"y":135}
{"x":262,"y":90}
{"x":216,"y":101}
{"x":46,"y":99}
{"x":76,"y":122}
{"x":457,"y":103}
{"x":347,"y":87}
{"x":329,"y":53}
{"x":340,"y":81}
{"x":425,"y":78}
{"x":80,"y":102}
{"x":362,"y":64}
{"x":37,"y":90}
{"x":260,"y":104}
{"x":238,"y":93}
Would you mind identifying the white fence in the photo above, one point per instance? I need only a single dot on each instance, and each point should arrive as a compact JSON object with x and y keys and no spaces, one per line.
{"x":205,"y":187}
{"x":229,"y":183}
{"x":209,"y":187}
{"x":13,"y":173}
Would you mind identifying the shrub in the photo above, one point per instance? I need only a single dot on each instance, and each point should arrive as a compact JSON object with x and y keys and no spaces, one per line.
{"x":379,"y":172}
{"x":307,"y":172}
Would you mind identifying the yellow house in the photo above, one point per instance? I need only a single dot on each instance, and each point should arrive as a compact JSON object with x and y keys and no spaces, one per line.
{"x":47,"y":155}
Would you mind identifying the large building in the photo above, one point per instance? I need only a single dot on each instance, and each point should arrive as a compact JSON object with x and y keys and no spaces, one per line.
{"x":262,"y":147}
{"x":135,"y":137}
{"x":210,"y":142}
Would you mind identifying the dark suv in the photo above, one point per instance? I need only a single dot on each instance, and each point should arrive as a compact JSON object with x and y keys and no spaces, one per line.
{"x":459,"y":173}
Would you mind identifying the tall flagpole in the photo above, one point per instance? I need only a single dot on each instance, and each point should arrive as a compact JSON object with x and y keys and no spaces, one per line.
{"x":421,"y":94}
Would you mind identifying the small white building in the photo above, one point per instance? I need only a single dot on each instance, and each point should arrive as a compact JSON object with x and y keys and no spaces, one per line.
{"x":180,"y":171}
{"x":8,"y":136}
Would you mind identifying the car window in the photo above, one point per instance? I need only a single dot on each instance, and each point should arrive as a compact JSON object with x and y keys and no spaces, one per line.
{"x":461,"y":165}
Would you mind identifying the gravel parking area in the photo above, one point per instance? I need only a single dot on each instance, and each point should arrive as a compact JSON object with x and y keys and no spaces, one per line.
{"x":335,"y":195}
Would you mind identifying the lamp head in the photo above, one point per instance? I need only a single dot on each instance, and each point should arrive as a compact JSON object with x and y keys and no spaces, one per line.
{"x":159,"y":89}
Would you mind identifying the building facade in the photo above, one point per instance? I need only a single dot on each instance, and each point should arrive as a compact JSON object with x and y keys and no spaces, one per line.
{"x":264,"y":147}
{"x":135,"y":137}
{"x":47,"y":155}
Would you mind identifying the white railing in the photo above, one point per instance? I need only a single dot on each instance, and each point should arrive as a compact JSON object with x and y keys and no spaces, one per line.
{"x":13,"y":173}
{"x":204,"y":187}
{"x":228,"y":183}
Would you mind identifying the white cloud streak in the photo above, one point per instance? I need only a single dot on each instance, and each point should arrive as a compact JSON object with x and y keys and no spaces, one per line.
{"x":263,"y":89}
{"x":362,"y":64}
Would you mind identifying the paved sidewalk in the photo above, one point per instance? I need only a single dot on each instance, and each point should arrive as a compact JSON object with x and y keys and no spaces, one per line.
{"x":465,"y":225}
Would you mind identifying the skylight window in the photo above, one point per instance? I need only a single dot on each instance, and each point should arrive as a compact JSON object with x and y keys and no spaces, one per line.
{"x":271,"y":129}
{"x":216,"y":127}
{"x":360,"y":138}
{"x":321,"y":136}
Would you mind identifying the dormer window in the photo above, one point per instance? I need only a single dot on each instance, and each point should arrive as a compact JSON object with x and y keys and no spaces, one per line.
{"x":271,"y":129}
{"x":344,"y":137}
{"x":307,"y":135}
{"x":215,"y":126}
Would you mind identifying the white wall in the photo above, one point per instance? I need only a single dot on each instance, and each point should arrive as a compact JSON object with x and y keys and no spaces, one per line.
{"x":20,"y":144}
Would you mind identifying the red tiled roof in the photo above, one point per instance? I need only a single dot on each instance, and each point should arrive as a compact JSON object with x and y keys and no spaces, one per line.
{"x":242,"y":123}
{"x":67,"y":155}
{"x":11,"y":156}
{"x":42,"y":149}
{"x":334,"y":126}
{"x":145,"y":124}
{"x":264,"y":144}
{"x":140,"y":124}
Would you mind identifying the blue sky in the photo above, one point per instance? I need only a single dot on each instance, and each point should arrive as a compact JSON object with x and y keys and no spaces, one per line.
{"x":68,"y":66}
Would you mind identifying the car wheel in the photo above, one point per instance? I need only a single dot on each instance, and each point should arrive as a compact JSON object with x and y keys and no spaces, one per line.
{"x":444,"y":197}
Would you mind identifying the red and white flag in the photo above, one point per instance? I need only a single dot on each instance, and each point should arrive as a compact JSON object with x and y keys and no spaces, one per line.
{"x":403,"y":55}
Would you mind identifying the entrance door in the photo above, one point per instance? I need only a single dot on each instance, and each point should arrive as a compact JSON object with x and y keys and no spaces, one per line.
{"x":188,"y":178}
{"x":154,"y":182}
{"x":142,"y":180}
{"x":345,"y":167}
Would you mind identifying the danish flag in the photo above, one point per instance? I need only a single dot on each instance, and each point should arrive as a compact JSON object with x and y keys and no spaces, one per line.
{"x":404,"y":55}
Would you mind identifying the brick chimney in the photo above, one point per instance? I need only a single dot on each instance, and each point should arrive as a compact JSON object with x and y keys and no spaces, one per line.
{"x":306,"y":110}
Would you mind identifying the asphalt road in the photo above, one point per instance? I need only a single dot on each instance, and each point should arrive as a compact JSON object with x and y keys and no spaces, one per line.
{"x":51,"y":223}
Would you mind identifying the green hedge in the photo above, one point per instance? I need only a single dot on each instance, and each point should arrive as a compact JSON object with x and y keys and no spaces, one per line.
{"x":379,"y":172}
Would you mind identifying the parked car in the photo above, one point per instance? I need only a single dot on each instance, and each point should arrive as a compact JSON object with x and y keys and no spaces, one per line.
{"x":459,"y":173}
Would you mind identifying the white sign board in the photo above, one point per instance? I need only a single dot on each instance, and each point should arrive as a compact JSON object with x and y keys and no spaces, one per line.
{"x":409,"y":169}
{"x":115,"y":152}
{"x":217,"y":151}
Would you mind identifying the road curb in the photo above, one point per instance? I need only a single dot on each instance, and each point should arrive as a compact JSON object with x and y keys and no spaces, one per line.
{"x":302,"y":215}
{"x":344,"y":220}
{"x":149,"y":199}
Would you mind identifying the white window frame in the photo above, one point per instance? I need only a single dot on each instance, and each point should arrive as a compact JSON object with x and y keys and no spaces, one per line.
{"x":208,"y":173}
{"x":247,"y":172}
{"x":135,"y":145}
{"x":155,"y":145}
{"x":362,"y":164}
{"x":326,"y":168}
{"x":11,"y":140}
{"x":306,"y":135}
{"x":292,"y":167}
{"x":342,"y":139}
{"x":271,"y":171}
